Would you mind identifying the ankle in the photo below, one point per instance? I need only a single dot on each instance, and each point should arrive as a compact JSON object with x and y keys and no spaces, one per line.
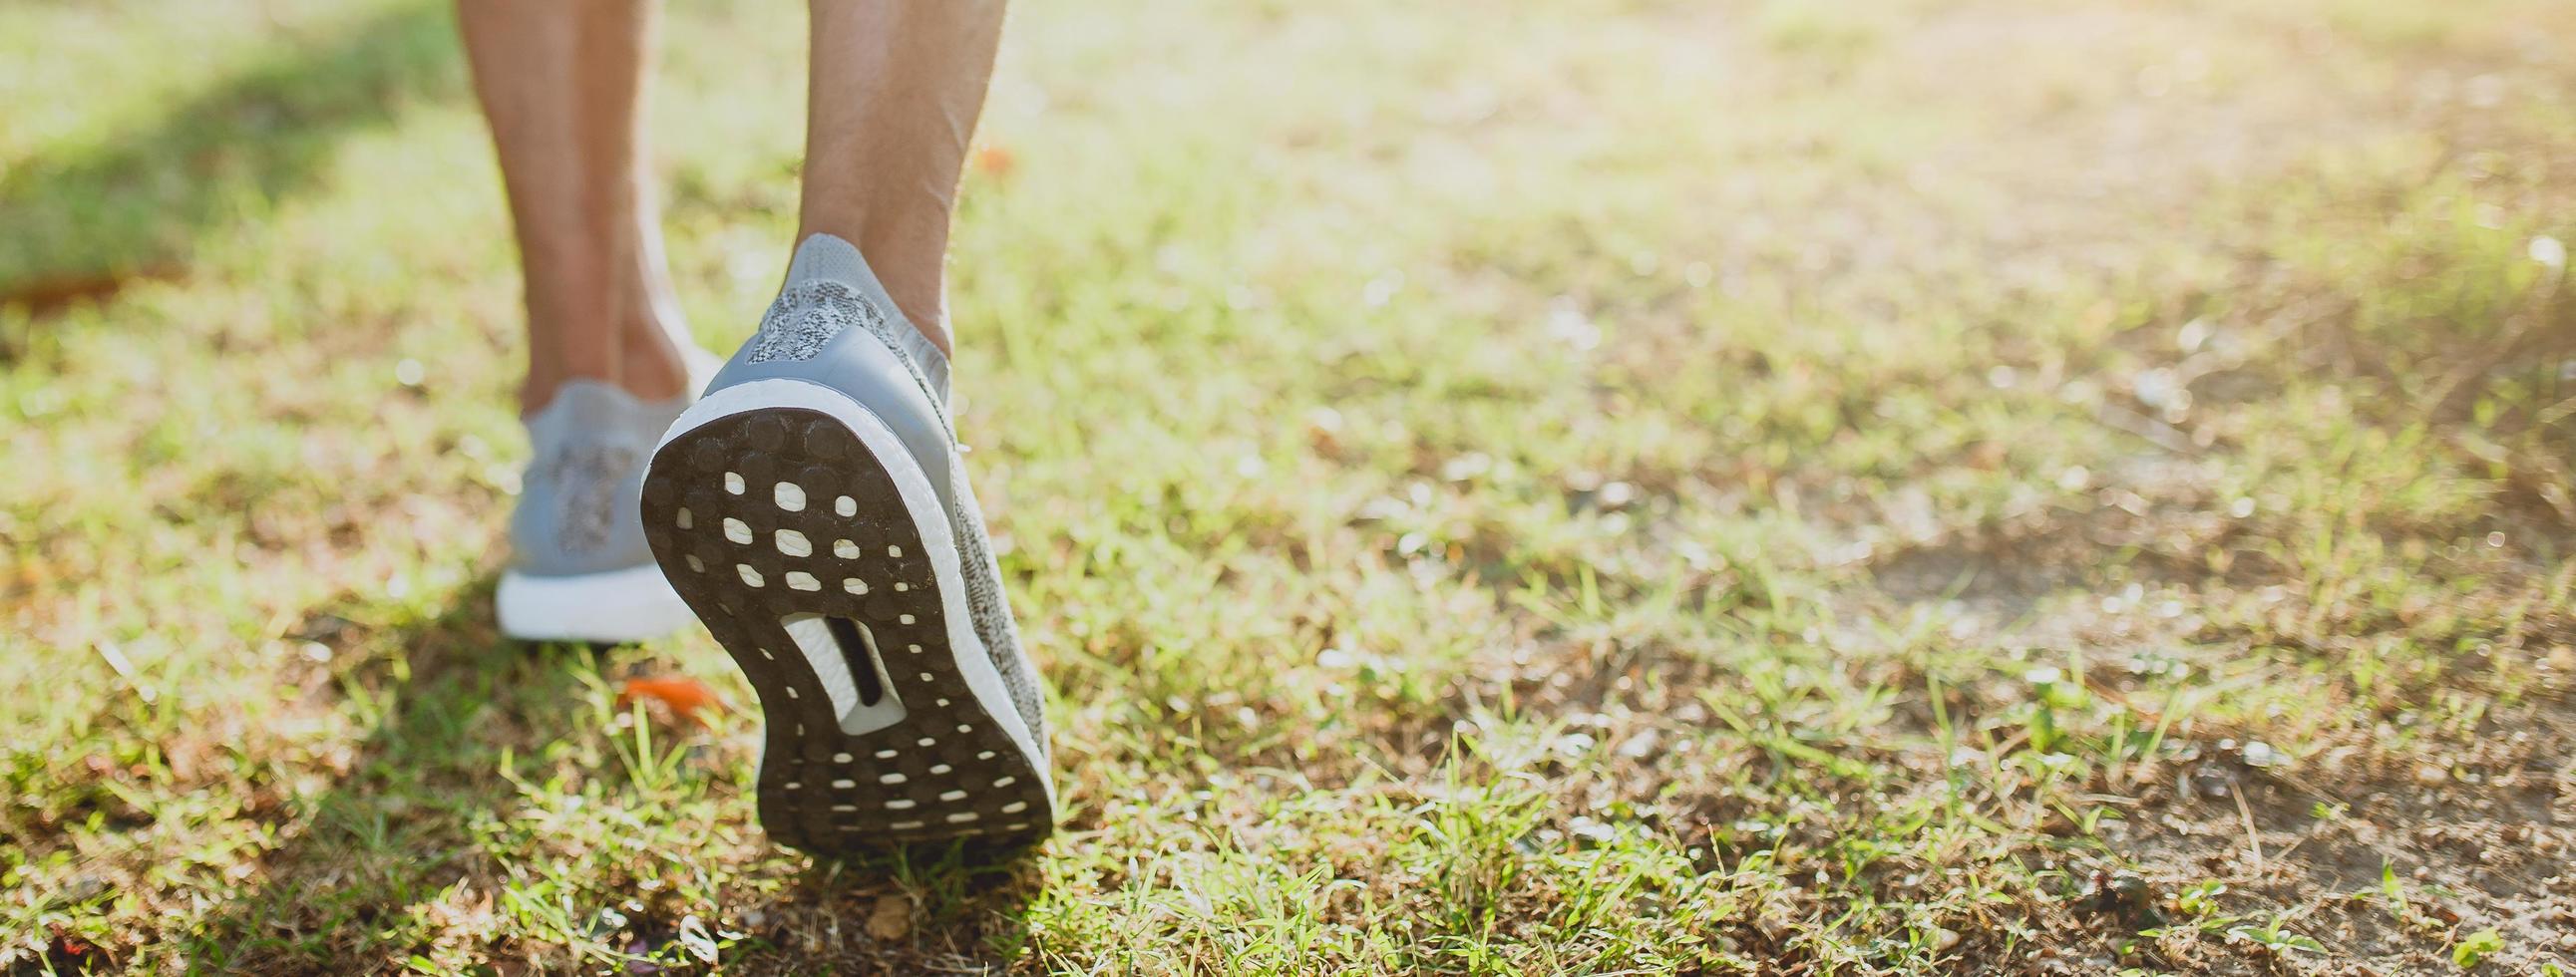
{"x":909,"y":259}
{"x":652,"y":363}
{"x":925,"y":308}
{"x":539,"y":389}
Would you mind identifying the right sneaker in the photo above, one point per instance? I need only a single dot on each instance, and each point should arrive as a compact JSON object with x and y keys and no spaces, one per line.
{"x":811,"y":509}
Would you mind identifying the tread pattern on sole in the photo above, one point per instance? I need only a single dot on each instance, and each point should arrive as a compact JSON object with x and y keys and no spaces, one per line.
{"x":770,"y":513}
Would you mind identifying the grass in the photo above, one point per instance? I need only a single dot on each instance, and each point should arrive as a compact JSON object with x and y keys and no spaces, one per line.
{"x":1575,"y":488}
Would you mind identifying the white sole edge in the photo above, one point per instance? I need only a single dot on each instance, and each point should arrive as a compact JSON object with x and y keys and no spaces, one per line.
{"x":612,"y":607}
{"x":929,"y":516}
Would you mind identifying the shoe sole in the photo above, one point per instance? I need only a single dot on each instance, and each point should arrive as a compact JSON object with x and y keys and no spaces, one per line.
{"x":610,"y":607}
{"x":808,"y":541}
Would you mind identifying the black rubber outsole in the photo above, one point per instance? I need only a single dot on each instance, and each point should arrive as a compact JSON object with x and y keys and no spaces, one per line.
{"x":770,"y":513}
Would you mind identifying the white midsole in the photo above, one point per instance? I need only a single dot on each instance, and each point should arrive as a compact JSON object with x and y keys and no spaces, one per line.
{"x":614,"y":606}
{"x":929,"y":518}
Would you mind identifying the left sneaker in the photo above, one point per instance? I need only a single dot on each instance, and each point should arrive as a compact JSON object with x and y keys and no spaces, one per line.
{"x":580,"y":570}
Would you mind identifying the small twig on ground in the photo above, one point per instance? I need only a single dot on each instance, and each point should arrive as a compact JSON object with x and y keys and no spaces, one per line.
{"x":2253,"y":839}
{"x":125,"y":670}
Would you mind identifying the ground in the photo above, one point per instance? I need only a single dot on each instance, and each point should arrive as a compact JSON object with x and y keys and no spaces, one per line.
{"x":1620,"y":486}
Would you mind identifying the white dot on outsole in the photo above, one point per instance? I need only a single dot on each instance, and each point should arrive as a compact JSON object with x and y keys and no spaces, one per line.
{"x":986,"y":755}
{"x":845,"y":808}
{"x":801,"y":580}
{"x":789,"y":496}
{"x":954,"y":795}
{"x":750,"y":577}
{"x":684,"y":520}
{"x":885,"y":754}
{"x":895,"y":551}
{"x":736,"y":531}
{"x":927,"y":741}
{"x":791,"y":693}
{"x":915,"y":649}
{"x":840,"y":758}
{"x":903,"y":618}
{"x":904,"y":825}
{"x":942,"y":768}
{"x":1015,"y":807}
{"x":845,"y":549}
{"x":792,"y":785}
{"x":854,"y":585}
{"x":844,"y":784}
{"x":892,"y":778}
{"x":898,"y":805}
{"x":733,"y":482}
{"x":1016,"y":826}
{"x":792,"y":543}
{"x":845,"y":506}
{"x":962,"y":817}
{"x":696,"y":565}
{"x":900,"y":586}
{"x":1006,"y":781}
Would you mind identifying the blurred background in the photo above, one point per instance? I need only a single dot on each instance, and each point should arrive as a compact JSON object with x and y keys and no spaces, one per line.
{"x":1588,"y":486}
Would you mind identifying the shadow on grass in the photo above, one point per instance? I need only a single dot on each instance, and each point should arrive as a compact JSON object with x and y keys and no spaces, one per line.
{"x":359,"y":879}
{"x":393,"y":833}
{"x":82,"y":225}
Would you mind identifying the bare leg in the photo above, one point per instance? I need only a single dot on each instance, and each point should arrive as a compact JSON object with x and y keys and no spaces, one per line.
{"x":563,"y":86}
{"x":895,"y":88}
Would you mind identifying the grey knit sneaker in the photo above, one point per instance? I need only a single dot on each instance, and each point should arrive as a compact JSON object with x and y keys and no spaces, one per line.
{"x":813,"y":512}
{"x":579,"y":568}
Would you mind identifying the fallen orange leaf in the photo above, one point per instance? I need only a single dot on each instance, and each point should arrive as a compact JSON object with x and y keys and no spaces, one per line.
{"x":47,"y":295}
{"x":995,"y":160}
{"x":684,"y":695}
